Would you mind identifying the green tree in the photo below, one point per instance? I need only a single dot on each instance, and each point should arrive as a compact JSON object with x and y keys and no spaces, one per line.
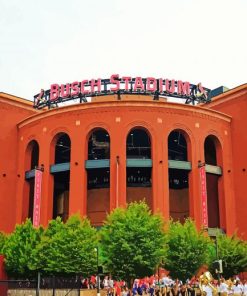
{"x":67,"y":248}
{"x":132,"y":241}
{"x":188,"y":249}
{"x":2,"y":240}
{"x":19,"y":247}
{"x":233,"y":253}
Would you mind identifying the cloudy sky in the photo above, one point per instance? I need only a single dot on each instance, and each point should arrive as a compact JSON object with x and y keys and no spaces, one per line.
{"x":59,"y":41}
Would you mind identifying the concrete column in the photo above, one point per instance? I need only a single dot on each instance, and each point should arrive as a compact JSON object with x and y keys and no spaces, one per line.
{"x":46,"y":158}
{"x":78,"y":174}
{"x":226,"y":191}
{"x":196,"y":154}
{"x":165,"y":179}
{"x":22,"y":187}
{"x":117,"y":166}
{"x":160,"y":172}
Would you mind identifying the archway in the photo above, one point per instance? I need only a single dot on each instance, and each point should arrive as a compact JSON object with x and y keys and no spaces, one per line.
{"x":179,"y":168}
{"x":139,"y":166}
{"x":212,"y":151}
{"x":98,"y":176}
{"x":61,"y":172}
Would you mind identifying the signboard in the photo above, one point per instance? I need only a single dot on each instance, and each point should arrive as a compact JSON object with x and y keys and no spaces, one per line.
{"x":37,"y":197}
{"x":215,"y":231}
{"x":156,"y":87}
{"x":204,"y":196}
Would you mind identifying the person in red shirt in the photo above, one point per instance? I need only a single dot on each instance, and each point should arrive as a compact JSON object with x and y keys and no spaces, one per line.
{"x":93,"y":282}
{"x":117,"y":288}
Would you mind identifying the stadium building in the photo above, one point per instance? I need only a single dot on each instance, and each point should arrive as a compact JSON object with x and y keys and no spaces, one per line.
{"x":91,"y":146}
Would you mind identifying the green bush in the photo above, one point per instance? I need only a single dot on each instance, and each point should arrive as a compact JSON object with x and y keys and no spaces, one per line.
{"x":187,"y":249}
{"x":67,"y":248}
{"x":19,"y":249}
{"x":132,"y":241}
{"x":233,"y":253}
{"x":2,"y":241}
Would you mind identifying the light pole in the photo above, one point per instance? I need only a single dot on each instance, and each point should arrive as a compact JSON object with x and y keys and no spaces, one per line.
{"x":38,"y":285}
{"x":98,"y":278}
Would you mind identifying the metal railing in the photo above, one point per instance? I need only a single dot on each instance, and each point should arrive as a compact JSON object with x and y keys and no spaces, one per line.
{"x":72,"y":283}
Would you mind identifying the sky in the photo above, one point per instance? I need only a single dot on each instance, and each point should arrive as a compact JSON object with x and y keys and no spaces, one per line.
{"x":60,"y":41}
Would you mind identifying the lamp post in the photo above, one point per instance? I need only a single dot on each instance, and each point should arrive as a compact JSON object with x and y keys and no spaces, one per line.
{"x":38,"y":285}
{"x":217,"y":264}
{"x":98,"y":278}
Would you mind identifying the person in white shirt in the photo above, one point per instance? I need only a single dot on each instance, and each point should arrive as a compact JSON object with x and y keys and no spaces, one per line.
{"x":237,"y":289}
{"x":208,"y":291}
{"x":166,"y":280}
{"x":223,"y":287}
{"x":207,"y":288}
{"x":106,"y":282}
{"x":110,"y":282}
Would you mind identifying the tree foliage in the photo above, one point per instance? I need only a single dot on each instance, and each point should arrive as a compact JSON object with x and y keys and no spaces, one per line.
{"x":67,"y":248}
{"x":133,"y":244}
{"x":2,"y":240}
{"x":60,"y":249}
{"x":187,"y":250}
{"x":132,"y":241}
{"x":233,"y":253}
{"x":18,"y":248}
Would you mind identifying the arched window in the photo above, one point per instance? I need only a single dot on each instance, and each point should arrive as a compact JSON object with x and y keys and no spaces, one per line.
{"x":212,"y":151}
{"x":61,"y":173}
{"x":139,"y":166}
{"x":138,"y":144}
{"x":179,"y":169}
{"x":98,"y":176}
{"x":34,"y":154}
{"x":62,"y":149}
{"x":99,"y":145}
{"x":177,"y":146}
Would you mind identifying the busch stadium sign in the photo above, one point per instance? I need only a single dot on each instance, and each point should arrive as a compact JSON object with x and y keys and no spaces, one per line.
{"x":116,"y":84}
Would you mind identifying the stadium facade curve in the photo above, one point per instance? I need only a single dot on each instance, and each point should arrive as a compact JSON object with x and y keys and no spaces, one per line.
{"x":126,"y":147}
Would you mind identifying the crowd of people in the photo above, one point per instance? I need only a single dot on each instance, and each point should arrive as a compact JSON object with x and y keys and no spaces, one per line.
{"x":166,"y":286}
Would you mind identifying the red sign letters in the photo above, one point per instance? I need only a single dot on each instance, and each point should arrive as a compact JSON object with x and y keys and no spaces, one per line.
{"x":204,"y":196}
{"x":37,"y":198}
{"x":92,"y":86}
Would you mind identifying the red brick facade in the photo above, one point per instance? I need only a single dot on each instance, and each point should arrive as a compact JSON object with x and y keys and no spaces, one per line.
{"x":220,"y":124}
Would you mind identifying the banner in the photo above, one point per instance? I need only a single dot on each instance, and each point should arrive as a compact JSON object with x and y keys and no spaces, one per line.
{"x":37,"y":197}
{"x":204,"y":196}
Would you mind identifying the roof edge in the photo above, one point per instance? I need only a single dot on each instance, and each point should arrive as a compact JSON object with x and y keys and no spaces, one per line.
{"x":228,"y":95}
{"x":95,"y":105}
{"x":21,"y":102}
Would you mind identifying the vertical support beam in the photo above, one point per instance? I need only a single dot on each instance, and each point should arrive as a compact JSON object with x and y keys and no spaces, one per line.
{"x":165,"y":182}
{"x":155,"y":156}
{"x":78,"y":174}
{"x":117,"y":167}
{"x":221,"y":161}
{"x":46,"y":157}
{"x":160,"y":186}
{"x":226,"y":190}
{"x":222,"y":202}
{"x":196,"y":153}
{"x":22,"y":188}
